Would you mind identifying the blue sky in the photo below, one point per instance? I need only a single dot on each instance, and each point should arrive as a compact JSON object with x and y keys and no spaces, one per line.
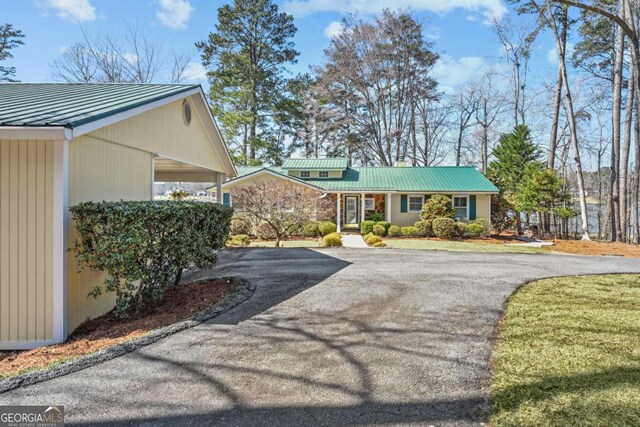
{"x":458,"y":29}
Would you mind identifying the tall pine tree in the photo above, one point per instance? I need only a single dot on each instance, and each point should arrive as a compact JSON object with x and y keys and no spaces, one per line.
{"x":10,"y":38}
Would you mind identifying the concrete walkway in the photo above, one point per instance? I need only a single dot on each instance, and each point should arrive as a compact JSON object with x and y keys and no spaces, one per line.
{"x":331,"y":337}
{"x":353,"y":241}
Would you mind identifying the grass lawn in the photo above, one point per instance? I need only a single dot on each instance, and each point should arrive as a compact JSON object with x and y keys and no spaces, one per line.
{"x":568,"y":354}
{"x":285,"y":243}
{"x":460,"y":246}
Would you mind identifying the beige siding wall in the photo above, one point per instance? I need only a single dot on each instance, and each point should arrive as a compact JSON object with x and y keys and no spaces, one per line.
{"x":26,"y":240}
{"x":163,"y":131}
{"x":316,"y":174}
{"x":402,"y":219}
{"x":483,"y":206}
{"x":99,"y":171}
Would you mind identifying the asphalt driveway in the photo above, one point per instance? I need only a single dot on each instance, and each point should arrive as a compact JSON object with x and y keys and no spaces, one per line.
{"x":331,"y":337}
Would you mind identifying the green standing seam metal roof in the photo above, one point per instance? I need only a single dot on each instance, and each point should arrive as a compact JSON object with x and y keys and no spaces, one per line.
{"x":73,"y":104}
{"x":325,"y":164}
{"x":455,"y":179}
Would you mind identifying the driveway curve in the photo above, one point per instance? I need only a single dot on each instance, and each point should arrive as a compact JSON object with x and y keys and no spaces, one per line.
{"x":331,"y":337}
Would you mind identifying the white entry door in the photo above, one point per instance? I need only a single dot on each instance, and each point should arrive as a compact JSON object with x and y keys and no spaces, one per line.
{"x":351,"y":209}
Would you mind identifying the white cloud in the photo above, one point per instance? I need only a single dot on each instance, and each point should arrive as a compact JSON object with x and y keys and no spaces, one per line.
{"x":450,"y":72}
{"x":75,"y":10}
{"x":471,"y":18}
{"x":334,"y":29}
{"x":174,"y":13}
{"x":432,"y":33}
{"x":195,"y":72}
{"x":491,"y":9}
{"x":552,"y":54}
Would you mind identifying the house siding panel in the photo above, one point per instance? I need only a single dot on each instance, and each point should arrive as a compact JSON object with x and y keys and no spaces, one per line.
{"x":26,"y":244}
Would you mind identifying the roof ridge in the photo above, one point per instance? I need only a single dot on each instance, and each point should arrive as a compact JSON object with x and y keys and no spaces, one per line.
{"x":98,"y":84}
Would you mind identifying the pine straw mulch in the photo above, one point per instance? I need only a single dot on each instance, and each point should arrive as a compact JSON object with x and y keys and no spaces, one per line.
{"x":580,"y":247}
{"x":179,"y":303}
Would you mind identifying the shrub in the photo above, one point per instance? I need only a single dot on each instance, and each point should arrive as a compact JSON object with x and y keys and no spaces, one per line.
{"x":373,"y":239}
{"x":239,"y":240}
{"x":241,"y":225}
{"x":327,"y":227}
{"x":486,"y":226}
{"x":264,"y":231}
{"x":437,"y":206}
{"x":332,"y":239}
{"x":475,"y":230}
{"x":385,"y":224}
{"x":460,"y":228}
{"x":379,"y":244}
{"x":312,"y":229}
{"x":376,"y":217}
{"x":144,"y":246}
{"x":424,"y":228}
{"x":445,"y":228}
{"x":409,"y":231}
{"x":366,"y":227}
{"x":394,"y":231}
{"x":379,"y":230}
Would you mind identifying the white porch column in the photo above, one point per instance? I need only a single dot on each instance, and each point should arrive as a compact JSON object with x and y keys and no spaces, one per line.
{"x":220,"y":178}
{"x":338,"y":197}
{"x":361,"y":207}
{"x":387,"y":207}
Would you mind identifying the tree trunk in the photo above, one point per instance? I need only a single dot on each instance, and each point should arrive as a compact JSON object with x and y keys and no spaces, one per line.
{"x":624,"y":161}
{"x":614,"y":191}
{"x":553,"y":140}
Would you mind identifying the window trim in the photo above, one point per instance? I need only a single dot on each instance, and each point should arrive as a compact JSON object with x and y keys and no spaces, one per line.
{"x":305,"y":174}
{"x":409,"y":196}
{"x":322,"y":172}
{"x":461,"y":196}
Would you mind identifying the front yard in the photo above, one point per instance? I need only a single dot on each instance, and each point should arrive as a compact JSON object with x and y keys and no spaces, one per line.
{"x":568,"y":353}
{"x":452,"y":245}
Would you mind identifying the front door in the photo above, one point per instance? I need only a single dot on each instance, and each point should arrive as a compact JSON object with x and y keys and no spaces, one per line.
{"x":351,"y":209}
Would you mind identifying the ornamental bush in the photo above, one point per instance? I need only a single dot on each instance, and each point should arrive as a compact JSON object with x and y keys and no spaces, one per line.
{"x":445,"y":228}
{"x":332,"y":239}
{"x":145,"y":246}
{"x":366,"y":227}
{"x":486,"y":226}
{"x":379,"y":230}
{"x":437,"y":206}
{"x":373,"y":239}
{"x":376,"y":217}
{"x":394,"y":231}
{"x":312,"y":229}
{"x":264,"y":231}
{"x":239,"y":240}
{"x":460,"y":228}
{"x":241,"y":225}
{"x":409,"y":231}
{"x":379,"y":244}
{"x":385,"y":224}
{"x":475,"y":230}
{"x":327,"y":227}
{"x":424,"y":228}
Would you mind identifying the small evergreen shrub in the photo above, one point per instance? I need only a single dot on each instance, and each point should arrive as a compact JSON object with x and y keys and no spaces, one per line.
{"x":444,"y":227}
{"x":379,"y":230}
{"x":265,"y":232}
{"x":373,"y":239}
{"x":366,"y":227}
{"x":239,"y":240}
{"x":424,"y":228}
{"x":394,"y":231}
{"x":312,"y":229}
{"x":379,"y":244}
{"x":437,"y":206}
{"x":327,"y":227}
{"x":409,"y":231}
{"x":475,"y":230}
{"x":376,"y":217}
{"x":460,"y":228}
{"x":332,"y":239}
{"x":241,"y":225}
{"x":486,"y":226}
{"x":385,"y":224}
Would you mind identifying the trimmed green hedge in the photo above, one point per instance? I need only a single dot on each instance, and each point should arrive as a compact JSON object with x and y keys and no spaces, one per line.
{"x":366,"y":227}
{"x":327,"y":227}
{"x":444,"y":227}
{"x":150,"y":241}
{"x":394,"y":231}
{"x":332,"y":239}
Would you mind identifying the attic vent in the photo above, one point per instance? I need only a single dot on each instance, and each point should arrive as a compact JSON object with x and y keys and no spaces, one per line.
{"x":186,"y":113}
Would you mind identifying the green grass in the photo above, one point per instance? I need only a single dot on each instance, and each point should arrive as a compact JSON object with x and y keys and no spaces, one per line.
{"x":286,"y":244}
{"x":440,"y":245}
{"x":569,"y":354}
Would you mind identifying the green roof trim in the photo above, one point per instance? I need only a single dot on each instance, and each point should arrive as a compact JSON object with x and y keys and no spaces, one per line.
{"x":324,"y":164}
{"x":74,"y":104}
{"x":454,"y":179}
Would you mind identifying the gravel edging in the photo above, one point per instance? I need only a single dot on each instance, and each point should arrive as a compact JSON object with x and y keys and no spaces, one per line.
{"x":241,"y":290}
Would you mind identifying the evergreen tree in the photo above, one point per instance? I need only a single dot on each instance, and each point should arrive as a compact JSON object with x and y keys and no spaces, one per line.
{"x":246,"y":56}
{"x":10,"y":38}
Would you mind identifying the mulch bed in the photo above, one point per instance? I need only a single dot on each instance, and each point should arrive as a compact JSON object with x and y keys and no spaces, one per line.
{"x":580,"y":247}
{"x":179,"y":303}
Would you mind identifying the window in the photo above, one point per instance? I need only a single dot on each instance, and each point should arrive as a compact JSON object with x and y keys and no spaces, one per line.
{"x":415,"y":203}
{"x":304,"y":174}
{"x":369,"y":204}
{"x":324,"y":174}
{"x":460,"y":204}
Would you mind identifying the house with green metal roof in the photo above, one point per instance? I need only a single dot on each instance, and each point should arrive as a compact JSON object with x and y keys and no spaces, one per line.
{"x":397,"y":193}
{"x":63,"y":144}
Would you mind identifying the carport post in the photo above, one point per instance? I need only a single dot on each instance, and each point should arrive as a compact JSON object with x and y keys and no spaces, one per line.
{"x":387,"y":207}
{"x":220,"y":178}
{"x":362,"y":207}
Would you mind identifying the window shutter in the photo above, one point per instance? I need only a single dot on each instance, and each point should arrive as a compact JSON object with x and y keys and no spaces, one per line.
{"x":472,"y":207}
{"x":403,"y":203}
{"x":226,"y":199}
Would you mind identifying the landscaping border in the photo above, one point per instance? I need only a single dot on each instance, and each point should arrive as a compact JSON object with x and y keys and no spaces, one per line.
{"x":241,"y":290}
